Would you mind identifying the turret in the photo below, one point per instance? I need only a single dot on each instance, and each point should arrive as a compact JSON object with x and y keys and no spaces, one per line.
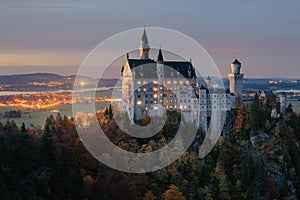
{"x":282,"y":100}
{"x":144,"y":46}
{"x":236,"y":67}
{"x":236,"y":78}
{"x":160,"y":67}
{"x":208,"y":82}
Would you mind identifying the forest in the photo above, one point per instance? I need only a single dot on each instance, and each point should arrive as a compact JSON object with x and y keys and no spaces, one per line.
{"x":259,"y":159}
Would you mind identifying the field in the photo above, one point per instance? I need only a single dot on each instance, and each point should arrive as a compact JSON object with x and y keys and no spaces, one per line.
{"x":35,"y":118}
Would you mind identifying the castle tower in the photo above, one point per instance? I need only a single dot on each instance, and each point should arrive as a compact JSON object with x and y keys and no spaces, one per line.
{"x":127,"y":90}
{"x":208,"y":82}
{"x":236,"y":78}
{"x":203,"y":108}
{"x":160,"y":67}
{"x":144,"y":46}
{"x":282,"y":100}
{"x":160,"y":78}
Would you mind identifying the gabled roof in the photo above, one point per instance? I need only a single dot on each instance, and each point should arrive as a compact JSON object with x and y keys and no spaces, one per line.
{"x":185,"y":68}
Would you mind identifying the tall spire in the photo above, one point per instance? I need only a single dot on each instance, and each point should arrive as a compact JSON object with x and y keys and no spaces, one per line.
{"x":160,"y":57}
{"x":144,"y":46}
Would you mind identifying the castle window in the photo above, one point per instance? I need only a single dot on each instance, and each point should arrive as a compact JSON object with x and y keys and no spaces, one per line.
{"x":168,"y":82}
{"x":139,"y":96}
{"x":139,"y":102}
{"x":144,"y":82}
{"x":139,"y":89}
{"x":181,"y":82}
{"x":155,"y":95}
{"x":144,"y":89}
{"x":146,"y":95}
{"x":175,"y":82}
{"x":139,"y":82}
{"x":155,"y":82}
{"x":187,"y":82}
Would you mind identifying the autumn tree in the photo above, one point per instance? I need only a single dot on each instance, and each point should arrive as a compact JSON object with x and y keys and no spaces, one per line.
{"x":173,"y":193}
{"x":149,"y":196}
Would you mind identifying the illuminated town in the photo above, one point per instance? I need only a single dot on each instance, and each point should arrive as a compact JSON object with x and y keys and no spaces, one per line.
{"x":45,"y":100}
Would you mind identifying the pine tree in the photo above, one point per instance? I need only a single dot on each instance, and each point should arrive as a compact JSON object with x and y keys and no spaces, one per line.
{"x":23,"y":128}
{"x":110,"y":111}
{"x":58,"y":118}
{"x":289,"y":109}
{"x":224,"y":191}
{"x":255,"y":115}
{"x":47,"y":148}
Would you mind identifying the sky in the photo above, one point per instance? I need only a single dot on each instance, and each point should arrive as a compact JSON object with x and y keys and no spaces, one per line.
{"x":55,"y":36}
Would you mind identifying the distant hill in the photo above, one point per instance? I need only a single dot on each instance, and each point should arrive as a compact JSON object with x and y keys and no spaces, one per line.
{"x":52,"y":82}
{"x":28,"y":78}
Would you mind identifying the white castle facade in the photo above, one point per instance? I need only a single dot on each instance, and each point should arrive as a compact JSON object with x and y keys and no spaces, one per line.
{"x":150,"y":87}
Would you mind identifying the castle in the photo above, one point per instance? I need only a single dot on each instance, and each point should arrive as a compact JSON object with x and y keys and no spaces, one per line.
{"x":150,"y":87}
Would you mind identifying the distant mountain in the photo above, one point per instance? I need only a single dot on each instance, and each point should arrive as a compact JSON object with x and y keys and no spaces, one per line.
{"x":49,"y":82}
